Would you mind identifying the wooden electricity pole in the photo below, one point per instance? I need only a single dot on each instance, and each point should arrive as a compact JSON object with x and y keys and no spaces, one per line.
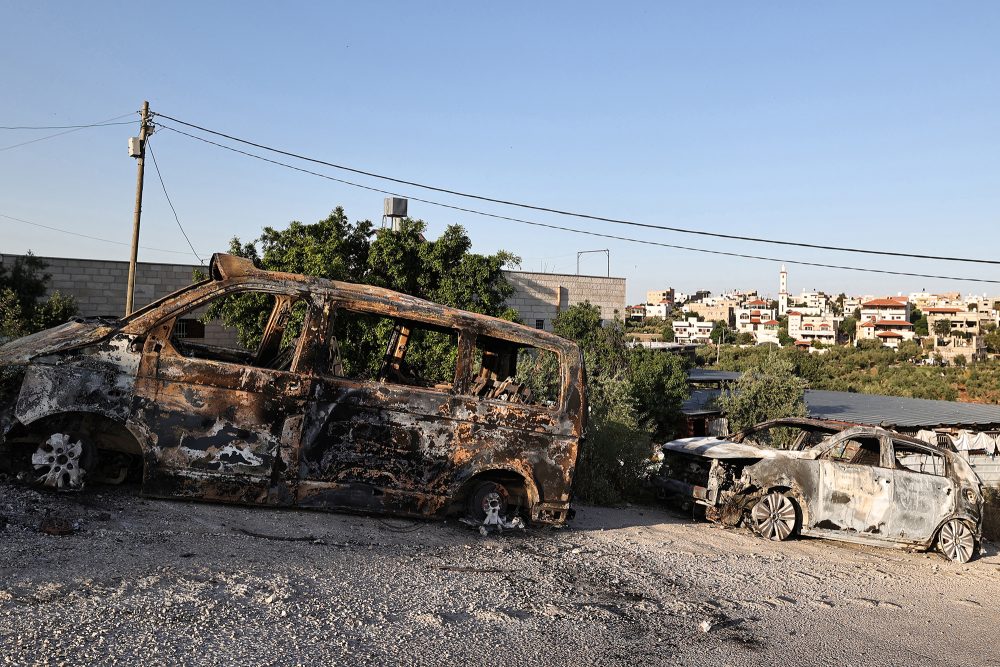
{"x":144,"y":132}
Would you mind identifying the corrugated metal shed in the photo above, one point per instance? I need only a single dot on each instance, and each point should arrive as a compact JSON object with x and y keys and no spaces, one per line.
{"x":873,"y":409}
{"x":709,"y":375}
{"x":907,"y":413}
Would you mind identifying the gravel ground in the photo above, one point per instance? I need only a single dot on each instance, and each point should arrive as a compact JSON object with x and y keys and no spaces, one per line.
{"x":162,"y":583}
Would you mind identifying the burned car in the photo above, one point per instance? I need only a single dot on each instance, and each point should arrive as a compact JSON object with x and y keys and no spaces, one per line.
{"x":833,"y":480}
{"x":349,"y":397}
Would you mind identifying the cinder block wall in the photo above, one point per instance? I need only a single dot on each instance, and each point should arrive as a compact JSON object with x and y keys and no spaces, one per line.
{"x":99,"y":286}
{"x":541,"y":296}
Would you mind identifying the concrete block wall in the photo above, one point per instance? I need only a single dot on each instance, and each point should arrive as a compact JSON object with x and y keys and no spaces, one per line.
{"x":541,"y":296}
{"x":99,"y":286}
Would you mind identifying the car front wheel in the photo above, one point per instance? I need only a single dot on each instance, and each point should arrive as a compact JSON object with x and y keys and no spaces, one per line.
{"x":775,"y":516}
{"x":956,"y":541}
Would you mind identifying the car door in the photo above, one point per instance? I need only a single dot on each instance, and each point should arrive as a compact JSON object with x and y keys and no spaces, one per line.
{"x":380,"y":437}
{"x":924,"y":495}
{"x":855,"y":488}
{"x":225,"y":424}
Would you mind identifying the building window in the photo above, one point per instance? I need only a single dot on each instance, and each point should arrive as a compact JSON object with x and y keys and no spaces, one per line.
{"x":189,"y":328}
{"x":539,"y":324}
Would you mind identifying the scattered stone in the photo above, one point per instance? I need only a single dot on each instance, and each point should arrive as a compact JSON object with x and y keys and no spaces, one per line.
{"x":705,"y":626}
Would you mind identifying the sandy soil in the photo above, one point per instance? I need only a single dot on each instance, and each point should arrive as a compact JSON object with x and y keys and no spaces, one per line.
{"x":161,"y":583}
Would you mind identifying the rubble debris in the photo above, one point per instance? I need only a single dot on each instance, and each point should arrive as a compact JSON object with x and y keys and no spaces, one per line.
{"x":55,"y":525}
{"x":705,"y":626}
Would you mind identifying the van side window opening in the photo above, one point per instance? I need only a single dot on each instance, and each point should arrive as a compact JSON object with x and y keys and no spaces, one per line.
{"x":507,"y":371}
{"x":859,"y":451}
{"x":270,"y":342}
{"x":398,"y":351}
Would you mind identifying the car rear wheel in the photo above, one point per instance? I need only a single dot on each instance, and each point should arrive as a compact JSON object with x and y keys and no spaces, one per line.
{"x":956,"y":541}
{"x":487,"y":497}
{"x":775,"y":516}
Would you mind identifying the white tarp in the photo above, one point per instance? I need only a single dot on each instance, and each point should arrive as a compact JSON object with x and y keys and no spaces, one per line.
{"x":967,"y":441}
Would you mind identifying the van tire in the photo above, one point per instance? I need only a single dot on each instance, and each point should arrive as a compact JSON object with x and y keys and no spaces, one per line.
{"x":485,"y":495}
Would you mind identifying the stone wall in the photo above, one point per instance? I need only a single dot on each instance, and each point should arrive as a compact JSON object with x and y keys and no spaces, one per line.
{"x":99,"y":286}
{"x":539,"y":297}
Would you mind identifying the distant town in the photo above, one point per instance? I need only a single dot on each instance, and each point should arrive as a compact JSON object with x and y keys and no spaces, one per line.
{"x":949,"y":328}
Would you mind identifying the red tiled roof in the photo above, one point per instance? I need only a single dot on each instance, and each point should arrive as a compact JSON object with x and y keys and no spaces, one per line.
{"x":758,"y":302}
{"x":888,"y":334}
{"x":893,"y":323}
{"x":804,"y":343}
{"x":884,"y":303}
{"x":772,"y":322}
{"x":754,"y":320}
{"x":943,"y":310}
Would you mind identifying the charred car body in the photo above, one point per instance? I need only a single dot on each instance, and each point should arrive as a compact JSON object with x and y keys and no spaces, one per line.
{"x":833,"y":480}
{"x":287,"y":423}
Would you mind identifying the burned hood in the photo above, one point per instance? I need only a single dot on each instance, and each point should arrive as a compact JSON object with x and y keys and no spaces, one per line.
{"x":717,"y":448}
{"x":75,"y":333}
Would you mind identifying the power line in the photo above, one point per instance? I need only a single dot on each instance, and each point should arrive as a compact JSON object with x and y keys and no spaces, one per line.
{"x":568,"y":229}
{"x":61,"y":127}
{"x":156,"y":166}
{"x":103,"y":123}
{"x":585,"y":216}
{"x":87,"y":236}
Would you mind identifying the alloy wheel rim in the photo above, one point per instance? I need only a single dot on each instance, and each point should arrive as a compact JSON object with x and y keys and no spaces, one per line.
{"x":774,"y":516}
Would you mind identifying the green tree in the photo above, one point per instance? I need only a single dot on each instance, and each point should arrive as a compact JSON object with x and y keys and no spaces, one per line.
{"x":768,"y":389}
{"x":915,"y":315}
{"x":847,"y":329}
{"x":909,"y":350}
{"x":920,"y":327}
{"x":634,"y":394}
{"x":668,"y":332}
{"x":22,"y":308}
{"x":942,"y":327}
{"x":991,"y":338}
{"x":721,"y":333}
{"x":444,"y":270}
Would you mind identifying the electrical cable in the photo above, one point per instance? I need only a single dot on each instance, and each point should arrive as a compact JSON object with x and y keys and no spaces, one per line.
{"x":61,"y":127}
{"x":156,"y":166}
{"x":570,"y":229}
{"x":585,"y":216}
{"x":87,"y":236}
{"x":103,"y":123}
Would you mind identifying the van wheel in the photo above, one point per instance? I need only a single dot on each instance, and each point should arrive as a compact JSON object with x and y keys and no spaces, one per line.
{"x":62,"y":461}
{"x":485,"y":497}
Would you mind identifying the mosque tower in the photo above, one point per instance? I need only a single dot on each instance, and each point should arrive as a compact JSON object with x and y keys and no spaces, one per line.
{"x":783,"y":291}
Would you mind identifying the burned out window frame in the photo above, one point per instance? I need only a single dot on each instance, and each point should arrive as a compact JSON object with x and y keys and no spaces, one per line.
{"x":334,"y":365}
{"x":163,"y":327}
{"x":926,"y":451}
{"x":559,"y":403}
{"x":884,"y":449}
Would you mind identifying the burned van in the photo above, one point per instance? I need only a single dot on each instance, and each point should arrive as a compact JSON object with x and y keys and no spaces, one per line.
{"x":347,"y":397}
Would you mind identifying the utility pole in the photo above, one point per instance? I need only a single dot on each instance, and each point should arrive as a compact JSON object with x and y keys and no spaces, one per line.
{"x":144,"y":131}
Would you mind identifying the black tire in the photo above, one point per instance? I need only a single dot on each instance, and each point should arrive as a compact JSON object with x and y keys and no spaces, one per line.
{"x":483,"y":496}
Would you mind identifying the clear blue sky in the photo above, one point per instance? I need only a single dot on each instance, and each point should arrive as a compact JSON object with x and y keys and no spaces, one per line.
{"x":859,"y":124}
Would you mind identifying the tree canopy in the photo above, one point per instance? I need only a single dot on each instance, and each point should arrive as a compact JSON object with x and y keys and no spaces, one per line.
{"x":22,"y":308}
{"x":768,"y":389}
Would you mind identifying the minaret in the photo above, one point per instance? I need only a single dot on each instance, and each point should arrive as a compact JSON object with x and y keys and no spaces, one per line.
{"x":783,"y":291}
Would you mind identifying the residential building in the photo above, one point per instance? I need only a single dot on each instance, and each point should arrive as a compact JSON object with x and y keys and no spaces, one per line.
{"x":661,"y":310}
{"x":636,"y":313}
{"x":810,"y":328}
{"x":721,"y":313}
{"x":751,"y":317}
{"x":661,"y":296}
{"x":692,"y":330}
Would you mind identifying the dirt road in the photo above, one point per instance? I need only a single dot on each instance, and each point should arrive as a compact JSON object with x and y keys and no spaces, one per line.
{"x":160,"y":583}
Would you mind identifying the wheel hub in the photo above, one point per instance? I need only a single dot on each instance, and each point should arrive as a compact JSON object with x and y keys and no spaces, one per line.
{"x":57,"y":462}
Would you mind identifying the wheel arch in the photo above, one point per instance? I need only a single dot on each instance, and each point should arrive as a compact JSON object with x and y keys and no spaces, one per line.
{"x":503,"y":474}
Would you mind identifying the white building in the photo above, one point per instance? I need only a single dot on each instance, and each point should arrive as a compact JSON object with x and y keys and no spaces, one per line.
{"x":693,"y":331}
{"x":750,"y":318}
{"x":809,"y":328}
